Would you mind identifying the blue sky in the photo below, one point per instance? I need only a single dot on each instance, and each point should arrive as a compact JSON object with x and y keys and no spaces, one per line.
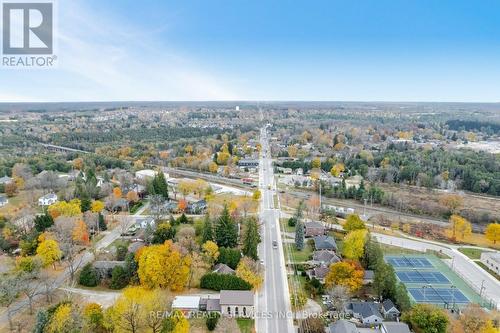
{"x":378,"y":50}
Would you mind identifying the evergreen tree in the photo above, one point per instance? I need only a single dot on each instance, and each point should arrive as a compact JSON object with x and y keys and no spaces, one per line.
{"x":226,"y":231}
{"x":299,"y":236}
{"x":89,"y":276}
{"x":43,"y":222}
{"x":183,"y":219}
{"x":160,"y":185}
{"x":251,"y":239}
{"x":207,"y":232}
{"x":85,"y":203}
{"x":119,"y":278}
{"x":102,"y":224}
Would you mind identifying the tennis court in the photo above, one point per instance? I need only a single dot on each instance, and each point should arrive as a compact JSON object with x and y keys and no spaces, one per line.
{"x":422,"y":277}
{"x":415,"y":262}
{"x":438,"y":295}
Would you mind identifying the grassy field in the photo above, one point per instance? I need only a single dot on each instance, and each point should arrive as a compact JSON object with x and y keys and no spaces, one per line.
{"x":471,"y":252}
{"x":246,"y":325}
{"x":300,"y":256}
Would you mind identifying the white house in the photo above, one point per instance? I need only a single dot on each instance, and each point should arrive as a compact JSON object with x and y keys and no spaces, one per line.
{"x":366,"y":312}
{"x":5,"y":180}
{"x":237,"y":303}
{"x":144,"y":222}
{"x":47,"y":199}
{"x":148,"y":174}
{"x":491,"y":260}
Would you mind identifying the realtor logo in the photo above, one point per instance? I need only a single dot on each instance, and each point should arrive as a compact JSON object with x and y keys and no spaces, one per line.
{"x":27,"y":28}
{"x":27,"y":34}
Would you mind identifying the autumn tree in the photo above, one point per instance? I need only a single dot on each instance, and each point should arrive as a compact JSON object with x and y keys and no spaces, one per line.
{"x":426,"y":318}
{"x":93,"y":318}
{"x":163,"y":266}
{"x":316,"y":163}
{"x":492,"y":232}
{"x":132,"y":196}
{"x":10,"y":189}
{"x":451,"y":201}
{"x":345,"y":273}
{"x":131,"y":310}
{"x":97,"y":206}
{"x":80,"y":233}
{"x":78,"y":163}
{"x":459,"y":227}
{"x":64,"y":319}
{"x":176,"y":322}
{"x":337,"y":169}
{"x":354,"y":244}
{"x":64,"y":208}
{"x":353,"y":222}
{"x":164,"y":231}
{"x":226,"y":230}
{"x":211,"y":251}
{"x":256,"y":195}
{"x":248,"y":270}
{"x":117,"y":192}
{"x":49,"y":251}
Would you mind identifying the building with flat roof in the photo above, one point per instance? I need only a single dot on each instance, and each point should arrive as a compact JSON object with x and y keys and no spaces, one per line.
{"x":237,"y":303}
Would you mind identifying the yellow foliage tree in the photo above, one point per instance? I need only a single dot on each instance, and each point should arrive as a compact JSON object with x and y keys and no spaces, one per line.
{"x":163,"y":266}
{"x":459,"y":227}
{"x":211,"y":251}
{"x":97,"y":206}
{"x":62,"y":320}
{"x":256,"y":195}
{"x":353,"y":246}
{"x":248,"y":270}
{"x":492,"y":232}
{"x":132,"y":196}
{"x":345,"y":273}
{"x":452,"y":201}
{"x":63,"y":208}
{"x":48,"y":250}
{"x":337,"y":169}
{"x":316,"y":163}
{"x":78,"y":163}
{"x":212,"y":167}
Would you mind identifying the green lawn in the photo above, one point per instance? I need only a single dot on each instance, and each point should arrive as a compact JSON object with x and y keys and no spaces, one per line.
{"x":471,"y":252}
{"x":246,"y":325}
{"x":483,"y":266}
{"x":300,"y":256}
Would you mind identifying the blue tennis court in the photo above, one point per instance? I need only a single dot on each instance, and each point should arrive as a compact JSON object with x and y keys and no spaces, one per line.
{"x":438,"y":295}
{"x":416,"y":262}
{"x":422,"y":277}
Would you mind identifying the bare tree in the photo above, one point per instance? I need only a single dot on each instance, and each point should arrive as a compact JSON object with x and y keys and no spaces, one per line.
{"x":31,"y":286}
{"x":9,"y":290}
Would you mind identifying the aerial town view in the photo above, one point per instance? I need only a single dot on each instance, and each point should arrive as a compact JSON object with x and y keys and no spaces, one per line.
{"x":234,"y":166}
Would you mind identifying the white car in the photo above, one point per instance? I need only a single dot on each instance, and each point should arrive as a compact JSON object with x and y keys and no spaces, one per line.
{"x":275,"y":244}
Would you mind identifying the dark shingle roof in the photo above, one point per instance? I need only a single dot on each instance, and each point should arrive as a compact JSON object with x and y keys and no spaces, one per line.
{"x":388,"y":304}
{"x":394,"y":327}
{"x":365,"y":309}
{"x":342,"y":326}
{"x":324,"y":242}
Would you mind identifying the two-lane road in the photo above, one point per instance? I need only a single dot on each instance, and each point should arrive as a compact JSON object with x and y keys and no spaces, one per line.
{"x":273,"y":300}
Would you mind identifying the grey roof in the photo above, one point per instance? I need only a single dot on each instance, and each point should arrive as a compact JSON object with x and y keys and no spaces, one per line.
{"x":324,"y":242}
{"x":364,"y":309}
{"x":236,"y":297}
{"x":213,"y":304}
{"x":369,"y":275}
{"x":107,"y":264}
{"x":342,"y":326}
{"x":5,"y":180}
{"x":3,"y":198}
{"x":135,"y":246}
{"x":320,"y":272}
{"x":325,"y":256}
{"x":314,"y":224}
{"x":223,"y":269}
{"x":394,"y":327}
{"x":388,"y":304}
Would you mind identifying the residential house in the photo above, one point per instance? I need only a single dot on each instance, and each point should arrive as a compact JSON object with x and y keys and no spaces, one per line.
{"x":342,"y":326}
{"x":3,"y":200}
{"x":314,"y":228}
{"x":324,"y":258}
{"x":105,"y":268}
{"x":368,"y":277}
{"x":491,"y":260}
{"x":223,"y":269}
{"x":210,"y":304}
{"x":237,"y":303}
{"x":47,"y":199}
{"x":394,"y":327}
{"x":144,"y":222}
{"x":324,"y":242}
{"x":389,"y":310}
{"x":5,"y":180}
{"x":366,"y":312}
{"x":135,"y":246}
{"x":197,"y":207}
{"x":186,"y":304}
{"x":319,"y":273}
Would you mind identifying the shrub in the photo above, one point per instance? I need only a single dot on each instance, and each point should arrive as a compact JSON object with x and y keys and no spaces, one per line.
{"x":212,"y":320}
{"x":292,"y":221}
{"x":121,"y":252}
{"x":219,"y":282}
{"x":119,"y":278}
{"x":89,"y":276}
